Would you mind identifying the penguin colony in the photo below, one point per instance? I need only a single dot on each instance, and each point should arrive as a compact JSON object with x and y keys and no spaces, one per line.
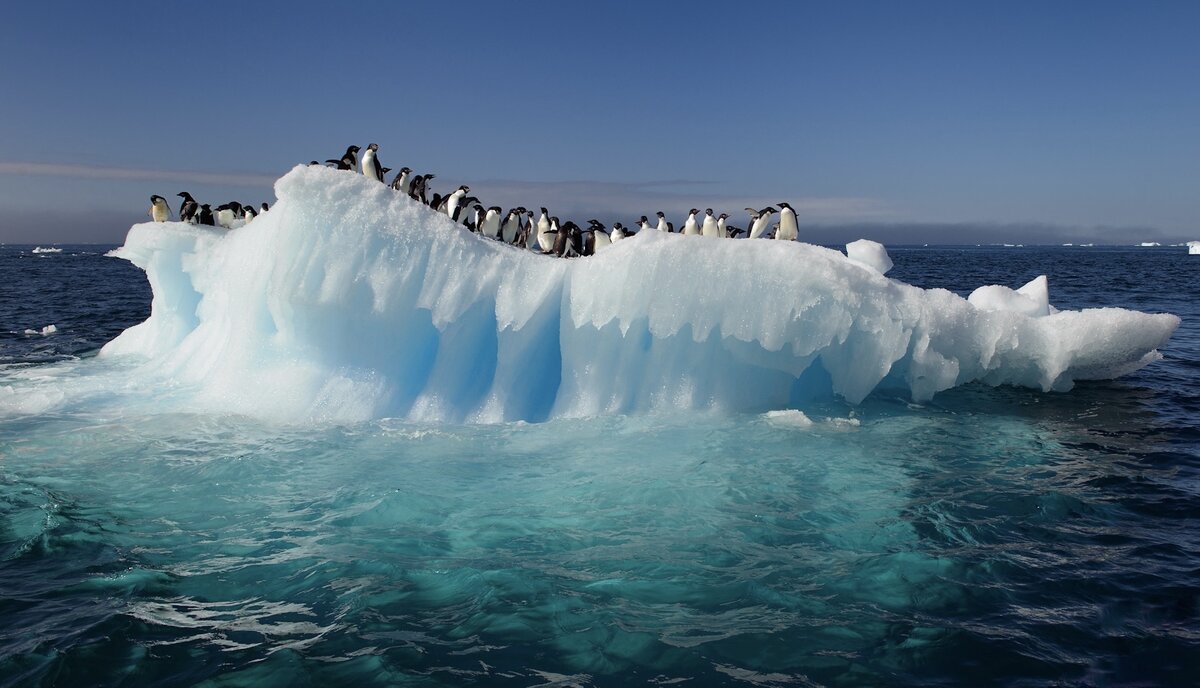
{"x":517,"y":226}
{"x":226,"y":215}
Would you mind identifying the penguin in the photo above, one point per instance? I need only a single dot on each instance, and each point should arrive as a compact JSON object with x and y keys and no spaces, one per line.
{"x":453,"y":200}
{"x":403,"y":180}
{"x":349,"y":161}
{"x":263,"y":208}
{"x":460,"y":213}
{"x":206,"y":216}
{"x":710,"y":228}
{"x":159,"y":210}
{"x":420,"y":187}
{"x":569,"y":242}
{"x":553,"y":234}
{"x":187,"y":197}
{"x":733,"y":232}
{"x":523,"y":232}
{"x":531,"y":235}
{"x":600,"y":238}
{"x":546,"y":238}
{"x":690,"y":226}
{"x":722,"y":228}
{"x":617,"y":233}
{"x":371,"y":167}
{"x":248,"y":213}
{"x":227,"y":213}
{"x":188,"y":208}
{"x":761,"y":223}
{"x":477,"y":213}
{"x":643,"y":224}
{"x":788,"y":231}
{"x":490,"y":227}
{"x":663,"y":225}
{"x":511,"y":227}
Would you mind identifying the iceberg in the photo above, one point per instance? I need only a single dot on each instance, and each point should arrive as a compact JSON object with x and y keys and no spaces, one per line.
{"x":1193,"y":248}
{"x":347,"y":301}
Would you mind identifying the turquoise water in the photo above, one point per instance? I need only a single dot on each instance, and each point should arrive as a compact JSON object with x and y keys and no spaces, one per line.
{"x":992,"y":536}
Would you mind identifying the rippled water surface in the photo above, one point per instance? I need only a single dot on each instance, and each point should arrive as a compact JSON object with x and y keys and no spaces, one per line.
{"x":993,"y":536}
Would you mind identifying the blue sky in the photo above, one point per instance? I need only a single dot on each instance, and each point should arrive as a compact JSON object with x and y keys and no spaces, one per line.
{"x":1068,"y":120}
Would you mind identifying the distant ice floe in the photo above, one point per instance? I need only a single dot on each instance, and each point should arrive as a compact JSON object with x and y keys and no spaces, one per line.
{"x":46,"y":249}
{"x":1193,"y":248}
{"x":349,"y":302}
{"x":47,"y":330}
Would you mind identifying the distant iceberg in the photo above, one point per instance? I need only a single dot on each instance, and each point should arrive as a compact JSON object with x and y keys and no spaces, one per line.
{"x":347,"y":301}
{"x":1193,"y":248}
{"x":46,"y":249}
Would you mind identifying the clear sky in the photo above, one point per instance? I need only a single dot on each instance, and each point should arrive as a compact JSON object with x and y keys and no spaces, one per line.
{"x":914,"y":120}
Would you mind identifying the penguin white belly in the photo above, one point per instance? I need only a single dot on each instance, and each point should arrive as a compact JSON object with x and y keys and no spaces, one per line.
{"x":787,"y":228}
{"x":690,"y":228}
{"x":710,"y":229}
{"x":159,"y":213}
{"x":602,"y":241}
{"x":225,"y":218}
{"x":368,"y":165}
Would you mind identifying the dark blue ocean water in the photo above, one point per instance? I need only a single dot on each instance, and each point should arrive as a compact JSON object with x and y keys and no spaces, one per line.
{"x":990,"y":537}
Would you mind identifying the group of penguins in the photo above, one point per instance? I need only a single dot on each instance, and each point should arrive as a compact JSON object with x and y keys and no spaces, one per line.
{"x":546,"y":234}
{"x":227,"y":215}
{"x":517,"y":226}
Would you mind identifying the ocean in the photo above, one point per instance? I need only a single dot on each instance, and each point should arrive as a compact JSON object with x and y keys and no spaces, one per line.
{"x":992,"y":536}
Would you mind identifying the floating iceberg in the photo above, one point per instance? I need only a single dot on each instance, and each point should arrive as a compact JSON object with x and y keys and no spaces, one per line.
{"x":347,"y":301}
{"x":1193,"y":248}
{"x":46,"y":249}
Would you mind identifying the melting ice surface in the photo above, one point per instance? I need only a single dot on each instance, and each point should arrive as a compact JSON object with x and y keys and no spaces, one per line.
{"x":349,"y":302}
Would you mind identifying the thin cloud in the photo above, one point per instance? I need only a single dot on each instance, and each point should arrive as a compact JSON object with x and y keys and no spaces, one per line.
{"x":127,"y":174}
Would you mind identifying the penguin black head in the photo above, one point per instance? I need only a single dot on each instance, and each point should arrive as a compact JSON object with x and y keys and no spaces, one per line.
{"x":693,"y":211}
{"x":617,"y":226}
{"x":185,"y":196}
{"x":723,"y":216}
{"x":157,"y":198}
{"x":386,"y":170}
{"x":264,"y":207}
{"x":643,"y":219}
{"x":708,"y":211}
{"x":353,"y":149}
{"x":373,"y":146}
{"x":660,"y":214}
{"x":784,"y":205}
{"x":545,"y":212}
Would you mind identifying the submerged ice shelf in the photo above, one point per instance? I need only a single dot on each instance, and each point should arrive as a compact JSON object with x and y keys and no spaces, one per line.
{"x":347,"y":301}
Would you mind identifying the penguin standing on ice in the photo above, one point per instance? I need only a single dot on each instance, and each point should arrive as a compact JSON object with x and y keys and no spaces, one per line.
{"x":455,"y":199}
{"x":206,"y":216}
{"x":663,"y":225}
{"x":546,"y":239}
{"x":248,"y":213}
{"x":403,"y":180}
{"x":722,"y":228}
{"x":788,"y":231}
{"x":510,"y":229}
{"x":761,"y":222}
{"x":710,"y":228}
{"x":617,"y":233}
{"x":159,"y":210}
{"x":227,"y":213}
{"x":189,"y":207}
{"x":371,"y":166}
{"x":643,"y":224}
{"x":349,"y":161}
{"x":691,"y":227}
{"x":490,"y":226}
{"x":263,"y":208}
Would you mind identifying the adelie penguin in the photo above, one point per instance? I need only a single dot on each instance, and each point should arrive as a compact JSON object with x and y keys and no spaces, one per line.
{"x":371,"y":167}
{"x":788,"y":231}
{"x":159,"y":210}
{"x":227,"y":213}
{"x":490,"y":226}
{"x":455,"y":199}
{"x":546,"y":232}
{"x":510,"y":229}
{"x":711,"y":227}
{"x":403,"y":180}
{"x":691,"y":227}
{"x":349,"y":161}
{"x":663,"y":225}
{"x":761,"y":221}
{"x":206,"y":216}
{"x":188,"y":208}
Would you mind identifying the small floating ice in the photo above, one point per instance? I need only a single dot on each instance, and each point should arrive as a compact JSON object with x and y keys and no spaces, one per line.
{"x":46,"y":249}
{"x":1149,"y":244}
{"x":47,"y":330}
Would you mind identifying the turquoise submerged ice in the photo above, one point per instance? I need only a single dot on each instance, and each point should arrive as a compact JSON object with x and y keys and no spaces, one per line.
{"x":349,"y":302}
